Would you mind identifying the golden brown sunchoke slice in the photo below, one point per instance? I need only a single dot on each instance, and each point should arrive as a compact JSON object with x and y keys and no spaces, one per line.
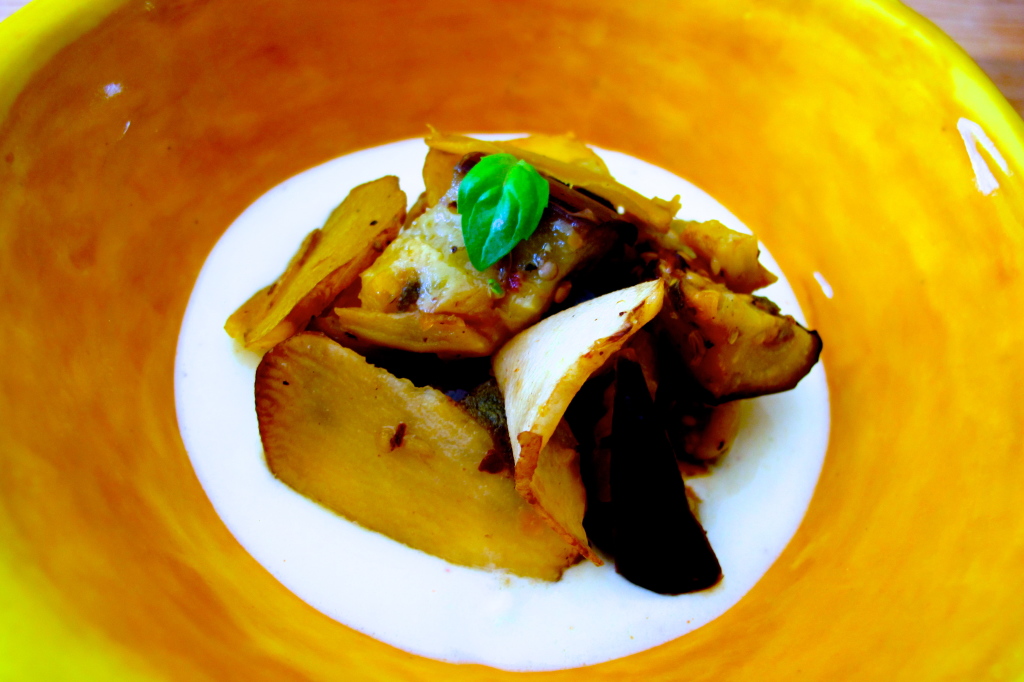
{"x":735,"y":345}
{"x":724,"y":255}
{"x":412,"y":331}
{"x":565,"y":148}
{"x":437,"y":174}
{"x":397,"y":459}
{"x":557,"y":492}
{"x":328,"y":261}
{"x":713,"y":431}
{"x":542,"y":368}
{"x":439,"y":165}
{"x":708,"y":431}
{"x":655,"y":213}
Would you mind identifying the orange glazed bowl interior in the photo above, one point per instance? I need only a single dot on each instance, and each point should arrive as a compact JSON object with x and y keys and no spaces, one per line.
{"x":877,"y":163}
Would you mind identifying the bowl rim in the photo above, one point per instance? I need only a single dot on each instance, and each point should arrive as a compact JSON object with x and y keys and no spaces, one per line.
{"x":38,"y":30}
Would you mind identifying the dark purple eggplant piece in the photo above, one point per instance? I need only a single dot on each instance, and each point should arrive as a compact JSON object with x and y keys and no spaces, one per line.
{"x":585,"y":411}
{"x":659,"y":544}
{"x":735,"y":345}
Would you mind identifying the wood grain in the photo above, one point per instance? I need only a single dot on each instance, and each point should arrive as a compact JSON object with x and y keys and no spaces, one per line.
{"x":991,"y":31}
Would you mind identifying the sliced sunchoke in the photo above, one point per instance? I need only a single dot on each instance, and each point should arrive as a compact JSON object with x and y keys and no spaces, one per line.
{"x":397,"y":459}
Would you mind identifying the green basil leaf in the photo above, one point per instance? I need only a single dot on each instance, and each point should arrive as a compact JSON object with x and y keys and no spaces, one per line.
{"x":501,"y":201}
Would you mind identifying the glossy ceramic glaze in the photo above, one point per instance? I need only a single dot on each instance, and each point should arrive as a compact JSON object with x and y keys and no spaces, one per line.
{"x":836,"y":131}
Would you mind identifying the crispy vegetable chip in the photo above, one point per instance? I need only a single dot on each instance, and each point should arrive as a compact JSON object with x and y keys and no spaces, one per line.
{"x":654,"y":213}
{"x":542,"y":368}
{"x":397,"y":459}
{"x":556,"y":490}
{"x":440,"y":165}
{"x":328,"y":261}
{"x":724,"y":255}
{"x":438,"y":168}
{"x":412,"y":331}
{"x":564,"y":148}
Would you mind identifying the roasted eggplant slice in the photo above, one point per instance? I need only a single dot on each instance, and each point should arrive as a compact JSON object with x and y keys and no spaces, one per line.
{"x":586,"y":415}
{"x":658,"y":543}
{"x":735,"y":345}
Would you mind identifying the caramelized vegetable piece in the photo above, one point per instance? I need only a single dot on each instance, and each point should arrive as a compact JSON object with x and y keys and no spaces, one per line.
{"x":735,"y":345}
{"x":724,"y":255}
{"x":439,"y":165}
{"x":542,"y":368}
{"x":413,"y":331}
{"x":658,"y":543}
{"x":655,"y":213}
{"x":438,"y":168}
{"x":427,"y":269}
{"x":399,"y":460}
{"x":328,"y":261}
{"x":557,"y":492}
{"x":711,"y":430}
{"x":565,"y":148}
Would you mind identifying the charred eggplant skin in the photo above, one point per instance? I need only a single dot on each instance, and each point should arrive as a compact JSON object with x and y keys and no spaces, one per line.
{"x":735,"y":345}
{"x":658,"y":543}
{"x":585,"y":411}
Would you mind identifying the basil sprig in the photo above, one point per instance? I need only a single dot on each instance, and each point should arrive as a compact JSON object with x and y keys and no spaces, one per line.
{"x":501,"y":200}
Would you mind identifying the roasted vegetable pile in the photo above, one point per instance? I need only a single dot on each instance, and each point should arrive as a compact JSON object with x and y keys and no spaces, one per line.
{"x":517,"y":372}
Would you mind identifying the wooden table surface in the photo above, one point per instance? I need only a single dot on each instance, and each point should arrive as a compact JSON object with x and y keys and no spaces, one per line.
{"x":991,"y":31}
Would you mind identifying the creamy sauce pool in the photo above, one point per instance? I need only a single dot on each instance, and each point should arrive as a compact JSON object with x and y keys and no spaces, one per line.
{"x":752,"y":504}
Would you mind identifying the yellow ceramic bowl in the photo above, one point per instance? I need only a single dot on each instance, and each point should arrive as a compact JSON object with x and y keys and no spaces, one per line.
{"x":860,"y":143}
